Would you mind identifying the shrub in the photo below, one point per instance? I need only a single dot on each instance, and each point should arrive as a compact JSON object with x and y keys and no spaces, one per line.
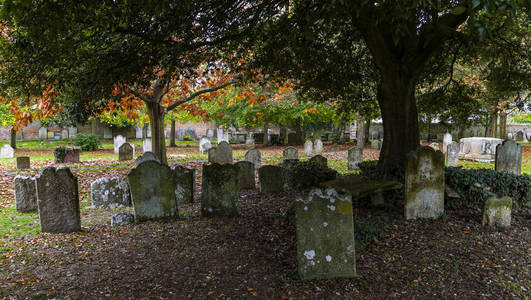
{"x":302,"y":175}
{"x":187,"y":138}
{"x":87,"y":142}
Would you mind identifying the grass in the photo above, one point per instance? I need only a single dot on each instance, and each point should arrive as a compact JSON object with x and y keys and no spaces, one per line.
{"x":15,"y":224}
{"x":105,"y":144}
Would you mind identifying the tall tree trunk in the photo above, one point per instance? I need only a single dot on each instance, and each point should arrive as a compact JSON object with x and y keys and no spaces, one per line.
{"x":266,"y":138}
{"x":145,"y":131}
{"x":298,"y":132}
{"x":156,"y":119}
{"x":494,"y":123}
{"x":13,"y":138}
{"x":360,"y":133}
{"x":172,"y":134}
{"x":503,"y":124}
{"x":367,"y":128}
{"x":94,"y":126}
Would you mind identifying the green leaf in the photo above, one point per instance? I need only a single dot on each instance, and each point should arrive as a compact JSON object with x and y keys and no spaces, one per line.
{"x":458,"y":10}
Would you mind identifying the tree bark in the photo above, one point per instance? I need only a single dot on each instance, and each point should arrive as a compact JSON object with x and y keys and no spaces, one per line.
{"x":172,"y":134}
{"x":360,"y":133}
{"x":367,"y":129}
{"x":503,"y":124}
{"x":13,"y":138}
{"x":266,"y":138}
{"x":158,"y":142}
{"x":494,"y":123}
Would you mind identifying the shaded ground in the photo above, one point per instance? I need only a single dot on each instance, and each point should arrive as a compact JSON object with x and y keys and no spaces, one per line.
{"x":254,"y":256}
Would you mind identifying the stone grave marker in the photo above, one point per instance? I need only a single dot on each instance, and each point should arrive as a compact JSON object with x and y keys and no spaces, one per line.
{"x":210,"y":133}
{"x":66,"y":154}
{"x":424,"y":184}
{"x":190,"y":132}
{"x":220,"y":190}
{"x":497,"y":212}
{"x":253,"y":156}
{"x":325,"y":235}
{"x":319,"y":159}
{"x":138,"y":132}
{"x":249,"y":142}
{"x":271,"y":179}
{"x":223,"y":153}
{"x":376,"y":144}
{"x":107,"y":133}
{"x":452,"y":154}
{"x":184,"y":184}
{"x":122,"y":219}
{"x":212,"y":155}
{"x":180,"y":133}
{"x":318,"y":146}
{"x":435,"y":146}
{"x":308,"y":148}
{"x":146,"y":145}
{"x":447,"y":140}
{"x":64,"y":134}
{"x":118,"y":141}
{"x":110,"y":193}
{"x":290,"y":153}
{"x":519,"y":136}
{"x":247,"y":177}
{"x":23,"y":162}
{"x":43,"y":133}
{"x":126,"y":152}
{"x":152,"y":188}
{"x":7,"y":152}
{"x":58,"y":200}
{"x":355,"y":156}
{"x":204,"y":145}
{"x":509,"y":157}
{"x":25,"y":194}
{"x":145,"y":157}
{"x":72,"y":132}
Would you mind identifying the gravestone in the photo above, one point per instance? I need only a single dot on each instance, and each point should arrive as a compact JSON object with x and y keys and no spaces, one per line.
{"x":223,"y":153}
{"x":180,"y":133}
{"x":212,"y":155}
{"x":204,"y":145}
{"x":247,"y":177}
{"x":43,"y":133}
{"x":319,"y":159}
{"x":271,"y":179}
{"x":145,"y":157}
{"x":210,"y":133}
{"x":435,"y":146}
{"x":146,"y":145}
{"x":253,"y":156}
{"x":249,"y":142}
{"x":25,"y":194}
{"x":497,"y":212}
{"x":58,"y":200}
{"x":107,"y":133}
{"x":325,"y":235}
{"x":7,"y":151}
{"x":509,"y":157}
{"x":184,"y":184}
{"x":447,"y":140}
{"x":290,"y":153}
{"x":452,"y":154}
{"x":66,"y":154}
{"x":118,"y":141}
{"x":308,"y":148}
{"x":126,"y":152}
{"x":190,"y":132}
{"x":152,"y":191}
{"x":122,"y":219}
{"x":110,"y":193}
{"x":220,"y":190}
{"x":138,"y":132}
{"x":318,"y":146}
{"x":23,"y":162}
{"x":424,"y":184}
{"x":72,"y":132}
{"x":519,"y":136}
{"x":64,"y":134}
{"x":355,"y":156}
{"x":375,"y":144}
{"x":510,"y":136}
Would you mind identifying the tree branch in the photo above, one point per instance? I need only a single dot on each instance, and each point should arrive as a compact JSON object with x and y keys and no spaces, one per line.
{"x":192,"y":96}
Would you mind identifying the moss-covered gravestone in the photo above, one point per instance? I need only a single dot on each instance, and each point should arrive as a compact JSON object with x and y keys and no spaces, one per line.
{"x":110,"y":193}
{"x":211,"y":155}
{"x":424,"y":184}
{"x":271,"y":179}
{"x":223,"y":153}
{"x":126,"y":152}
{"x":25,"y":194}
{"x":452,"y":154}
{"x":220,"y":190}
{"x":290,"y":153}
{"x":319,"y":159}
{"x":247,"y":177}
{"x":152,"y":191}
{"x":254,"y":157}
{"x":355,"y":156}
{"x":325,"y":235}
{"x":497,"y":212}
{"x":58,"y":200}
{"x":184,"y":184}
{"x":145,"y":157}
{"x":23,"y":162}
{"x":509,"y":157}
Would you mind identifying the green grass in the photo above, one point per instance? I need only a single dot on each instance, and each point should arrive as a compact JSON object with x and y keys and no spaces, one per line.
{"x":15,"y":224}
{"x":106,"y":144}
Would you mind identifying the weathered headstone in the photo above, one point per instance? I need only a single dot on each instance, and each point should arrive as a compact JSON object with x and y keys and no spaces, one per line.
{"x":510,"y":136}
{"x":355,"y":156}
{"x":7,"y":151}
{"x":126,"y":152}
{"x":447,"y":140}
{"x":58,"y":200}
{"x":152,"y":188}
{"x":145,"y":157}
{"x":325,"y":235}
{"x":43,"y":133}
{"x":138,"y":132}
{"x":249,"y":142}
{"x":122,"y":219}
{"x":308,"y":148}
{"x":66,"y":154}
{"x":254,"y":157}
{"x":223,"y":153}
{"x":146,"y":145}
{"x":290,"y":153}
{"x":220,"y":190}
{"x":184,"y":184}
{"x":318,"y":146}
{"x":23,"y":162}
{"x":25,"y":194}
{"x":211,"y":155}
{"x":110,"y":193}
{"x":72,"y":132}
{"x":271,"y":179}
{"x":424,"y":184}
{"x":509,"y":157}
{"x":210,"y":133}
{"x":204,"y":145}
{"x":118,"y":141}
{"x":247,"y":177}
{"x":497,"y":212}
{"x":452,"y":154}
{"x":519,"y":136}
{"x":64,"y":134}
{"x":319,"y":159}
{"x":107,"y":133}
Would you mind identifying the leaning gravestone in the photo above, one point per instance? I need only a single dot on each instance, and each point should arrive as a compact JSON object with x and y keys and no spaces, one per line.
{"x":220,"y":190}
{"x":246,"y":171}
{"x":118,"y":141}
{"x":126,"y":152}
{"x":290,"y":153}
{"x":25,"y":194}
{"x":325,"y":235}
{"x":271,"y":179}
{"x":7,"y":152}
{"x":355,"y":156}
{"x":424,"y":184}
{"x":318,"y":146}
{"x":23,"y":162}
{"x":509,"y":157}
{"x":447,"y":140}
{"x":110,"y":193}
{"x":254,"y":157}
{"x":145,"y":157}
{"x":452,"y":154}
{"x":319,"y":159}
{"x":223,"y":153}
{"x":497,"y":212}
{"x":57,"y":200}
{"x":184,"y":184}
{"x":204,"y":145}
{"x":308,"y":148}
{"x":152,"y":191}
{"x":146,"y":145}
